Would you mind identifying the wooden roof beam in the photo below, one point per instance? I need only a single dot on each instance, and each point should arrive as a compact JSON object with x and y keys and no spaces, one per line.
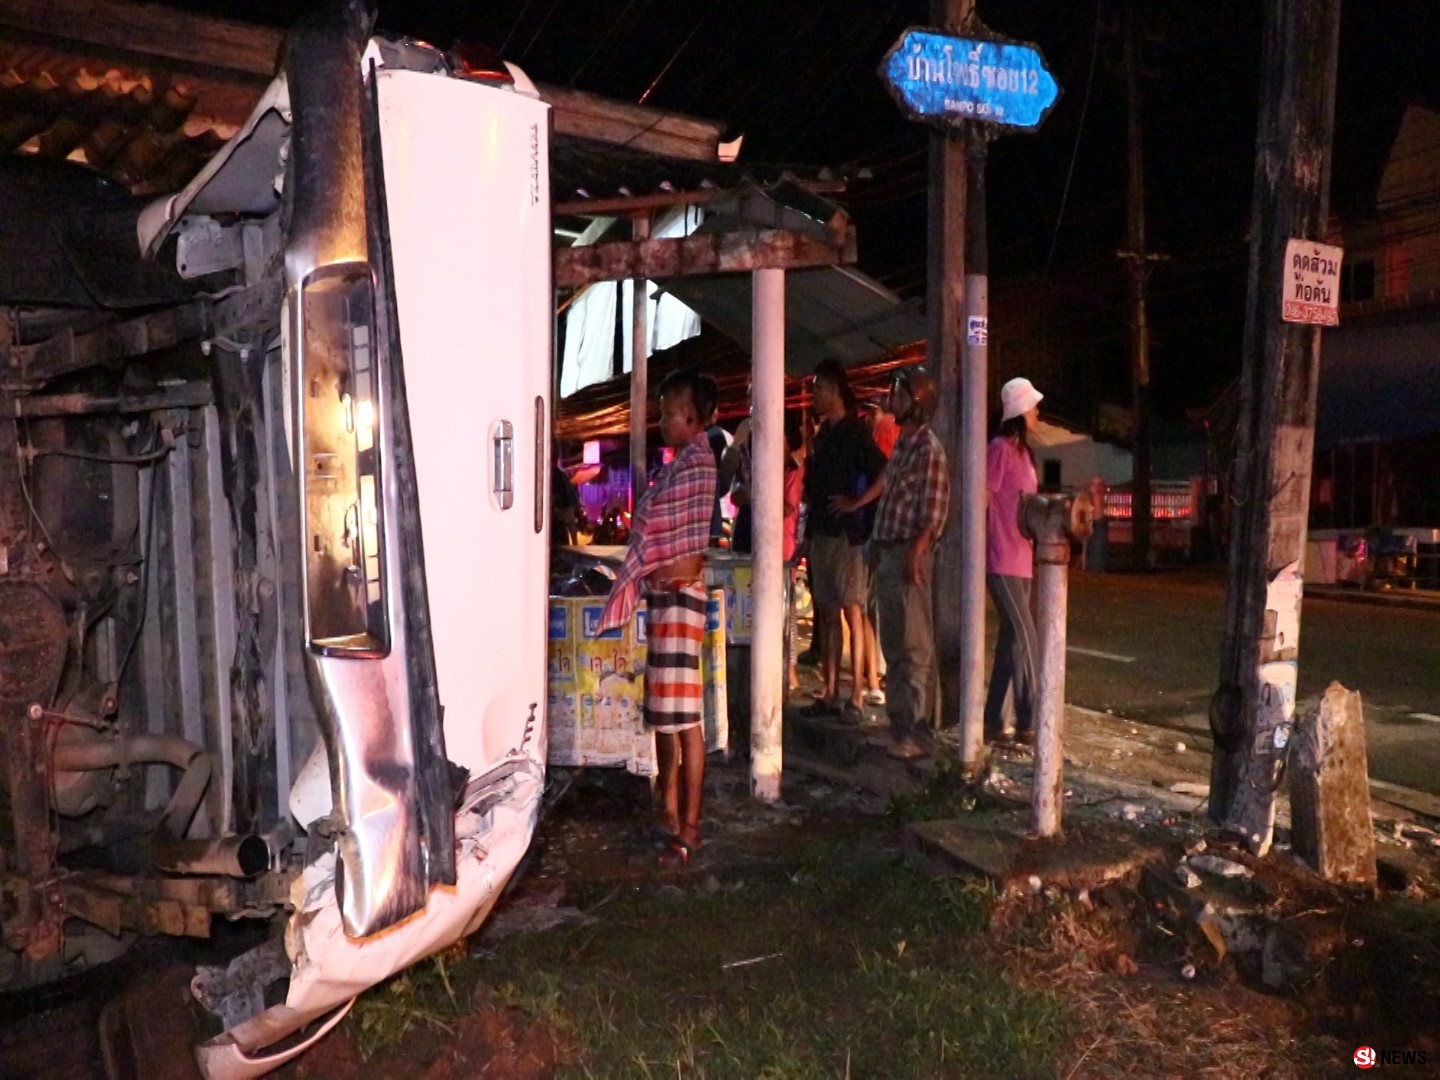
{"x":653,"y":131}
{"x":702,"y":253}
{"x":620,"y":205}
{"x":149,"y":30}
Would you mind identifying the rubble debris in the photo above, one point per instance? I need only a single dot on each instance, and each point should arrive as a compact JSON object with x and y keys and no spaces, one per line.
{"x":531,"y":914}
{"x":1208,"y":924}
{"x":1187,"y":972}
{"x":1417,"y":833}
{"x":1187,"y":877}
{"x":1190,"y":787}
{"x":1213,"y":864}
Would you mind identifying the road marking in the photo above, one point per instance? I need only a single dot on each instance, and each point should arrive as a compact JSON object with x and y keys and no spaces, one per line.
{"x":1425,"y":716}
{"x":1111,"y":656}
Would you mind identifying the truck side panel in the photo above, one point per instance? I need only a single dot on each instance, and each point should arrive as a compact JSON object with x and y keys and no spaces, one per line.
{"x":469,"y":217}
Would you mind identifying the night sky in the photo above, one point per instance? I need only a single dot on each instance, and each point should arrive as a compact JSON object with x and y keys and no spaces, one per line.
{"x":798,"y":78}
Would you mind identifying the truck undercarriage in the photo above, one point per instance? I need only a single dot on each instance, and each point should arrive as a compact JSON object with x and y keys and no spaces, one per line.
{"x":221,"y":661}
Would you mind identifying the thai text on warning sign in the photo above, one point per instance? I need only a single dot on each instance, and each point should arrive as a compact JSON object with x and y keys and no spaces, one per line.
{"x":1312,"y":283}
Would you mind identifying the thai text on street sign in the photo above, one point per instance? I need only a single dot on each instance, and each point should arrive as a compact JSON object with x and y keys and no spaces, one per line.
{"x":1312,"y":283}
{"x":949,"y":81}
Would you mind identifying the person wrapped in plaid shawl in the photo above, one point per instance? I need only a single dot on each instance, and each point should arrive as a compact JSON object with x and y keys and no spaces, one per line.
{"x":666,"y":558}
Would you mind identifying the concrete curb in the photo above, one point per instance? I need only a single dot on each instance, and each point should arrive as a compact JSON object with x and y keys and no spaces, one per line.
{"x":1417,"y":802}
{"x":1410,"y":601}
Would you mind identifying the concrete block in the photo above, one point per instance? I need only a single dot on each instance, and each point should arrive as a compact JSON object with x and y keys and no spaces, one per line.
{"x":1330,"y":791}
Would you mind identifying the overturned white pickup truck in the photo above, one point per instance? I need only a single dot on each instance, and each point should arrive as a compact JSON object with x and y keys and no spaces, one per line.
{"x":273,"y":593}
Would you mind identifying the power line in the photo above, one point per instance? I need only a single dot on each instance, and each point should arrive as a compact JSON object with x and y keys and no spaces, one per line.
{"x":669,"y":63}
{"x":604,"y":40}
{"x":1075,"y":151}
{"x":540,"y":29}
{"x":505,"y":49}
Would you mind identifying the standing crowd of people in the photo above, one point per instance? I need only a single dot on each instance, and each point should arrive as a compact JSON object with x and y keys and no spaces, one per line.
{"x":873,"y":490}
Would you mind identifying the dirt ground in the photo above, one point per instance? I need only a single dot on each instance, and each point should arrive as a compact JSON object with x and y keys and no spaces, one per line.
{"x":814,"y":940}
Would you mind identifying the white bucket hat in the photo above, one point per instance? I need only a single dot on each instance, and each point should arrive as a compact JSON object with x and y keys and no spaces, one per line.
{"x":1017,"y":397}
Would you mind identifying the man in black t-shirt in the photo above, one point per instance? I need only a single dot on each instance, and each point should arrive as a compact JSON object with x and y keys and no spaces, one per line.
{"x":844,"y":463}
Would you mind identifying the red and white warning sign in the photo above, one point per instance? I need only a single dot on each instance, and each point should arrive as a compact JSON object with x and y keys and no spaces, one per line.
{"x":1311,"y":285}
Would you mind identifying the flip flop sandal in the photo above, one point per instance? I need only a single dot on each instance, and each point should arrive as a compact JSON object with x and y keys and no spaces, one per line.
{"x":678,"y":853}
{"x":819,"y":710}
{"x":851,"y":714}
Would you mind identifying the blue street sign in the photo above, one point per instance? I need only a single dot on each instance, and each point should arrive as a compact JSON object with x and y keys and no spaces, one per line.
{"x":946,"y":80}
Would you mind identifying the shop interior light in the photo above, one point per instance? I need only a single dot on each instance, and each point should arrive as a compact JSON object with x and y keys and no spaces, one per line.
{"x":591,"y":452}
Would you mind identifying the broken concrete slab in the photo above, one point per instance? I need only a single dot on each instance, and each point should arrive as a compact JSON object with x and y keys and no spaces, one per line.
{"x":1329,"y":790}
{"x":1213,"y":864}
{"x":998,"y":847}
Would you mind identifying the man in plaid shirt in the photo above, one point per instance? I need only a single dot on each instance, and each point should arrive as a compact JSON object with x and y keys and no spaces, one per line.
{"x":914,"y":494}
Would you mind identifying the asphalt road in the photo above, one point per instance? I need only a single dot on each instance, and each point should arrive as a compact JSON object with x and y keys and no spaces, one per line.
{"x":1148,"y":648}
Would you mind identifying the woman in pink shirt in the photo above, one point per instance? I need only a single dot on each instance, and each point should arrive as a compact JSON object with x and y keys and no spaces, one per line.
{"x":1009,"y":563}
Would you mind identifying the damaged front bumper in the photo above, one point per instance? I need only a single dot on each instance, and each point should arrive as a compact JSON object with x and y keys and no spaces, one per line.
{"x":328,"y":969}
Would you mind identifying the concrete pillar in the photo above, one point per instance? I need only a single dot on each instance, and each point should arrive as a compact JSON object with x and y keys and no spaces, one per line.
{"x":1330,"y":790}
{"x":1052,"y":522}
{"x":767,"y":492}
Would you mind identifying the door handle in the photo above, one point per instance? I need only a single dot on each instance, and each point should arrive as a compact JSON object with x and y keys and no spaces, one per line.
{"x":504,"y":473}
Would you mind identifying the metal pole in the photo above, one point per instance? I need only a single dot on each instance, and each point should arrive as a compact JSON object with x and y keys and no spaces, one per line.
{"x":767,"y":643}
{"x":1052,"y":591}
{"x":945,"y":307}
{"x":639,"y":372}
{"x":974,"y":372}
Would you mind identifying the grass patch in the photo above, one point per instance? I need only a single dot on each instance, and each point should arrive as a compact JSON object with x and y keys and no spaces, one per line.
{"x":947,"y":794}
{"x":867,"y":970}
{"x":420,"y":997}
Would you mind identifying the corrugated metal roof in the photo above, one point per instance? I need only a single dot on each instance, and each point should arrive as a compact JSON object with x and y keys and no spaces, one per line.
{"x":829,"y":311}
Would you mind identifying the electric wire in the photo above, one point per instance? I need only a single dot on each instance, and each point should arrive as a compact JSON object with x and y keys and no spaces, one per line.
{"x":604,"y":40}
{"x":1075,"y":151}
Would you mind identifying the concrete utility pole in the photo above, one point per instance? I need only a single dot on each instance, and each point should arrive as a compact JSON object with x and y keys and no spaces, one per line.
{"x":1139,"y":271}
{"x":767,"y":493}
{"x":1253,"y":708}
{"x":1138,"y":263}
{"x":974,"y":376}
{"x":639,"y":370}
{"x":945,"y":307}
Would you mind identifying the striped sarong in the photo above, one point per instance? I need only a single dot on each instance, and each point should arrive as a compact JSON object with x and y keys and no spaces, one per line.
{"x":674,"y":632}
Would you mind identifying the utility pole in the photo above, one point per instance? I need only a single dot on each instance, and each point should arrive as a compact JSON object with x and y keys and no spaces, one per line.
{"x":971,"y":88}
{"x":1137,"y":263}
{"x":974,"y":376}
{"x":945,"y":308}
{"x":1253,"y":708}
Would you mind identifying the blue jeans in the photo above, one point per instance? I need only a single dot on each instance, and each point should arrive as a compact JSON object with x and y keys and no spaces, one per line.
{"x":1013,"y":675}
